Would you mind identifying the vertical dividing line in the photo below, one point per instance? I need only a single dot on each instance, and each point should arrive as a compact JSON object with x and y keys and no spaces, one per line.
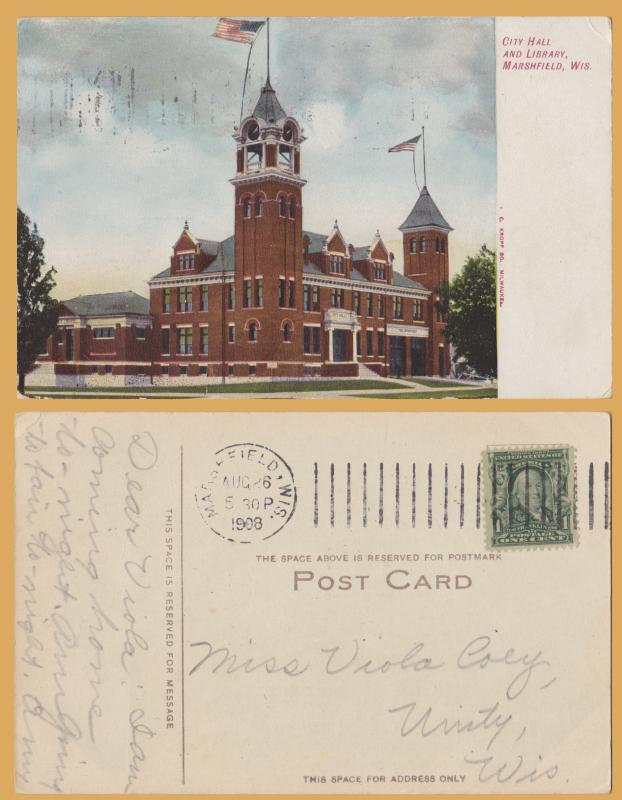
{"x":413,"y":498}
{"x":429,"y":495}
{"x":446,"y":498}
{"x":397,"y":495}
{"x":183,"y":642}
{"x":575,"y":496}
{"x":462,"y":495}
{"x":315,"y":495}
{"x":478,"y":498}
{"x":590,"y":495}
{"x":364,"y":495}
{"x":606,"y":479}
{"x":348,"y":495}
{"x":559,"y":498}
{"x":332,"y":495}
{"x":381,"y":494}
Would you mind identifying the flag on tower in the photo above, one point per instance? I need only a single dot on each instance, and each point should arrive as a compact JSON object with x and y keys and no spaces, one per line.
{"x":238,"y":30}
{"x":410,"y":144}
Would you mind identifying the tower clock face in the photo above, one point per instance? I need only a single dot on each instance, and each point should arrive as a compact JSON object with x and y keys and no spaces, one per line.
{"x":253,"y":131}
{"x":288,"y":132}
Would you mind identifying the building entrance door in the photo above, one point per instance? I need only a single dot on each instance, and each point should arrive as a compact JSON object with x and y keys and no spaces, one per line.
{"x":396,"y":355}
{"x":418,"y":356}
{"x":69,"y":345}
{"x":340,"y":345}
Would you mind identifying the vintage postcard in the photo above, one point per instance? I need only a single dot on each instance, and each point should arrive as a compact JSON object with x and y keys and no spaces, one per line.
{"x":395,"y":604}
{"x":367,"y":207}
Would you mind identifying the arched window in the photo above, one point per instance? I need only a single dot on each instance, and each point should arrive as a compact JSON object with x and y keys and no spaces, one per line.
{"x":246,"y":206}
{"x":422,"y":245}
{"x":413,"y":245}
{"x":282,"y":206}
{"x":252,"y":332}
{"x":259,"y":207}
{"x":287,"y":331}
{"x":292,"y":209}
{"x":438,"y":245}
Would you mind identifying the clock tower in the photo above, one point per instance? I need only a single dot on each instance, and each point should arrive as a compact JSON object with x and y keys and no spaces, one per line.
{"x":268,"y":228}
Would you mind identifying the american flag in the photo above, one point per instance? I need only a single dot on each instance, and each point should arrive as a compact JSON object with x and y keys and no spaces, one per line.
{"x":410,"y":144}
{"x":238,"y":30}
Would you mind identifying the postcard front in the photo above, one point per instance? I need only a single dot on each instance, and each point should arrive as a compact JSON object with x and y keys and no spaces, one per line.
{"x":395,"y":604}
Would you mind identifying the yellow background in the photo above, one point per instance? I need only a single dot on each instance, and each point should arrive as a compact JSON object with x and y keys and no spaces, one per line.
{"x":10,"y":403}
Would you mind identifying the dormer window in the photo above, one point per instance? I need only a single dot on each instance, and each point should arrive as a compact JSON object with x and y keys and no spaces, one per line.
{"x":285,"y":157}
{"x":254,"y":157}
{"x":380,"y":272}
{"x":186,"y":261}
{"x":337,"y":264}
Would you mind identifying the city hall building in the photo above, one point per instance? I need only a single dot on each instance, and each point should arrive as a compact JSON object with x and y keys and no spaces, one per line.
{"x":271,"y":301}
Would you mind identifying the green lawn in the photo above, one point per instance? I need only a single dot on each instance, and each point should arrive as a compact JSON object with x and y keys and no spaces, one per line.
{"x":465,"y":393}
{"x":218,"y":388}
{"x":436,"y":382}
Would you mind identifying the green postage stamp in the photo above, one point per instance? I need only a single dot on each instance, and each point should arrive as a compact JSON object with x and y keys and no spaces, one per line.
{"x":530,"y":496}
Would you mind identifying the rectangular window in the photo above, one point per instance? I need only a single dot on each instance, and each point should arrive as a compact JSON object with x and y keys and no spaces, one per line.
{"x":93,"y":369}
{"x":202,"y":370}
{"x":381,"y":306}
{"x":370,"y":343}
{"x":337,"y":298}
{"x":60,"y":337}
{"x":311,"y":339}
{"x":103,"y":333}
{"x":230,"y":296}
{"x":247,"y":300}
{"x":259,"y":292}
{"x":230,"y":369}
{"x":184,"y":341}
{"x":186,"y":261}
{"x":231,"y":333}
{"x":164,"y":370}
{"x":358,"y":342}
{"x":379,"y":272}
{"x":252,"y":369}
{"x":183,"y":370}
{"x":292,"y":293}
{"x":417,"y":310}
{"x":108,"y":369}
{"x":380,"y":343}
{"x":204,"y":298}
{"x":369,"y":305}
{"x":397,"y":308}
{"x":184,"y":298}
{"x":141,"y":371}
{"x":356,"y":302}
{"x":166,"y":301}
{"x":254,"y":154}
{"x":204,"y":340}
{"x":282,"y":293}
{"x":140,"y":333}
{"x":166,"y":341}
{"x":306,"y":298}
{"x":316,"y":298}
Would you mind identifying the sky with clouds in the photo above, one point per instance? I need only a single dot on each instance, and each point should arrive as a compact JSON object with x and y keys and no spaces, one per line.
{"x":125,"y":131}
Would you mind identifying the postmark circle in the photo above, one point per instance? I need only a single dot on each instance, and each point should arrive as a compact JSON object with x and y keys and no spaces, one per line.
{"x":249,"y":494}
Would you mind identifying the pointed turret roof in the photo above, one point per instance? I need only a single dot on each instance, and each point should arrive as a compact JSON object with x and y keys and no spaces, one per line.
{"x":268,"y":107}
{"x":425,"y":214}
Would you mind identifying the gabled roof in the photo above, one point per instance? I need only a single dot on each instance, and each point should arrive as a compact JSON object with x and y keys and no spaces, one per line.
{"x":224,"y":261}
{"x":408,"y":283}
{"x":107,"y":304}
{"x":425,"y":214}
{"x":268,"y":108}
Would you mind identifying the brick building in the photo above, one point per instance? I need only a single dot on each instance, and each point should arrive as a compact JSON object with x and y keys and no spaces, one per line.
{"x":273,"y":300}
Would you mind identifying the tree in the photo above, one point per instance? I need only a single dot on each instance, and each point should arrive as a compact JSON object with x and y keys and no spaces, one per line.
{"x":472,"y":318}
{"x":37,"y":312}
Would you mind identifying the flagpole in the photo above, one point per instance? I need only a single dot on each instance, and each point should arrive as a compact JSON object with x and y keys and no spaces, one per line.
{"x":248,"y":62}
{"x":415,"y":171}
{"x":268,"y":34}
{"x":425,"y":180}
